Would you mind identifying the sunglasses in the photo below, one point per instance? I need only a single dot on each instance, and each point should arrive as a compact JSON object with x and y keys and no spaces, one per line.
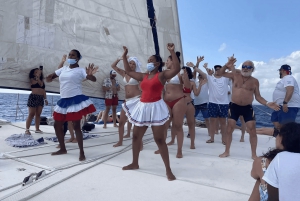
{"x":248,"y":67}
{"x":276,"y":132}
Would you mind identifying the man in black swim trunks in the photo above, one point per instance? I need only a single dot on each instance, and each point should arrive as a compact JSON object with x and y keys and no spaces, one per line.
{"x":244,"y":89}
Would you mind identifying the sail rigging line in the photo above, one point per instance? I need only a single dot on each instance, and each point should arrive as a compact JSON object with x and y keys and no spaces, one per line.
{"x":151,"y":16}
{"x":262,"y":110}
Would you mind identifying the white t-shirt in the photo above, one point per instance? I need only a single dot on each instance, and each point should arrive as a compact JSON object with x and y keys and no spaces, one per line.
{"x":280,"y":91}
{"x":70,"y":81}
{"x":192,"y":93}
{"x":203,"y":96}
{"x":218,"y":89}
{"x":284,"y":173}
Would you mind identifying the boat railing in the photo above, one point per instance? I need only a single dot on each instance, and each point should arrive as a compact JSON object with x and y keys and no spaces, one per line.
{"x":18,"y":109}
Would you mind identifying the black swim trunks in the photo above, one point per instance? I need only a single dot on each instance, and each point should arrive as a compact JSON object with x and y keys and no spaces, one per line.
{"x":235,"y":111}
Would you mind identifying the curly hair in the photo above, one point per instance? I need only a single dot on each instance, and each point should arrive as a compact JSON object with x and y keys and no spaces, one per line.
{"x":159,"y":59}
{"x":270,"y":155}
{"x":290,"y":134}
{"x":31,"y":74}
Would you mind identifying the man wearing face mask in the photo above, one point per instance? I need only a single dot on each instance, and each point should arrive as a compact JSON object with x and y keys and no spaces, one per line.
{"x":111,"y":87}
{"x":286,"y":94}
{"x":244,"y":88}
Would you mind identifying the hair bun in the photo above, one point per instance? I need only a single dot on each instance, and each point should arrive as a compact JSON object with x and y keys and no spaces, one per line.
{"x":178,"y":54}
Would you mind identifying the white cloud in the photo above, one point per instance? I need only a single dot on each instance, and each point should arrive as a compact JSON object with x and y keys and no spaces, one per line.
{"x":268,"y":76}
{"x":222,"y":47}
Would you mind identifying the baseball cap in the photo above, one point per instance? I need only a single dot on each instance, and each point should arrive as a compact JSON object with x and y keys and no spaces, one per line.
{"x":217,"y":66}
{"x":285,"y":67}
{"x":113,"y":72}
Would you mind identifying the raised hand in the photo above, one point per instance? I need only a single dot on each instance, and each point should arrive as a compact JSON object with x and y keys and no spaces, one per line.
{"x":95,"y":70}
{"x":90,"y":69}
{"x":205,"y":65}
{"x":190,"y":64}
{"x":199,"y":59}
{"x":171,"y":46}
{"x":231,"y":61}
{"x":125,"y":51}
{"x":64,"y":58}
{"x":273,"y":106}
{"x":210,"y":71}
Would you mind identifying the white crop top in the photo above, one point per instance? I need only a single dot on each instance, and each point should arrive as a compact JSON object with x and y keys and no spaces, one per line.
{"x":174,"y":80}
{"x":131,"y":81}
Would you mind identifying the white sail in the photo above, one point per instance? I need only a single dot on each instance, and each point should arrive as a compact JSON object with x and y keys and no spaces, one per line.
{"x":36,"y":32}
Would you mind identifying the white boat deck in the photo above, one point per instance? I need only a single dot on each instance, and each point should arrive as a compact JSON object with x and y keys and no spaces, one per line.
{"x":201,"y":174}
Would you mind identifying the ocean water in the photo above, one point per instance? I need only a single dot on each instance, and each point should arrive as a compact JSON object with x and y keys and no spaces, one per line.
{"x":9,"y":104}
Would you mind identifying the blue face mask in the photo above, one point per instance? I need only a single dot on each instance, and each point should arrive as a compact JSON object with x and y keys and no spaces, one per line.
{"x":72,"y":61}
{"x":150,"y":67}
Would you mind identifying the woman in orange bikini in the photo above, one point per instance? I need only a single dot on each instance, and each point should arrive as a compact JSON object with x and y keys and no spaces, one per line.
{"x":151,"y":110}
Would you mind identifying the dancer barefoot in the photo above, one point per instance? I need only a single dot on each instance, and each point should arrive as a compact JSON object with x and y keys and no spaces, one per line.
{"x":72,"y":99}
{"x":245,"y":88}
{"x":174,"y":98}
{"x":132,"y":93}
{"x":71,"y":130}
{"x":151,"y":110}
{"x":36,"y":99}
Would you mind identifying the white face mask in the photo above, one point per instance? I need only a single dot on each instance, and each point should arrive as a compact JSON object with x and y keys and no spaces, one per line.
{"x":150,"y":67}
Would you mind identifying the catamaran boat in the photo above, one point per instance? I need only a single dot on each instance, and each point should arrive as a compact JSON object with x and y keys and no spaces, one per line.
{"x":37,"y":33}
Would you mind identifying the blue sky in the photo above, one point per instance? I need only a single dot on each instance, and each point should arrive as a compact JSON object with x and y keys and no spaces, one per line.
{"x":264,"y":31}
{"x":252,"y":29}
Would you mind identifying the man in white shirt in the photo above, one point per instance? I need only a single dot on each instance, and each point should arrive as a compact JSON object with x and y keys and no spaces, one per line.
{"x":286,"y":94}
{"x":201,"y":101}
{"x":218,"y":100}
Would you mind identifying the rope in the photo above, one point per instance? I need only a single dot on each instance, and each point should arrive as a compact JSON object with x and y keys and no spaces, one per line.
{"x":125,"y":149}
{"x":262,"y":110}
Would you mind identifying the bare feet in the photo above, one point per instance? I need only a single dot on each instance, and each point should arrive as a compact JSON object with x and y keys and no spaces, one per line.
{"x":242,"y":140}
{"x":170,"y":176}
{"x":210,"y":141}
{"x":225,"y":154}
{"x":69,"y":140}
{"x":116,"y":125}
{"x":59,"y":152}
{"x":131,"y":167}
{"x":27,"y":132}
{"x":192,"y":146}
{"x":104,"y":126}
{"x":81,"y":157}
{"x":157,"y":152}
{"x":126,"y":136}
{"x":179,"y":154}
{"x":170,"y":143}
{"x":74,"y":141}
{"x":118,"y":144}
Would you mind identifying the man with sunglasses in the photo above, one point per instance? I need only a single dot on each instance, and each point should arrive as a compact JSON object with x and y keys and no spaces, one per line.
{"x":244,"y":89}
{"x":286,"y":94}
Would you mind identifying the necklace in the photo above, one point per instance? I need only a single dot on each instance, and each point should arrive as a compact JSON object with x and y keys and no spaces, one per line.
{"x":245,"y":80}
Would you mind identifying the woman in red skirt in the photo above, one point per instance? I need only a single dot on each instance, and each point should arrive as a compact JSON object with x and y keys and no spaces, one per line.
{"x":73,"y":104}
